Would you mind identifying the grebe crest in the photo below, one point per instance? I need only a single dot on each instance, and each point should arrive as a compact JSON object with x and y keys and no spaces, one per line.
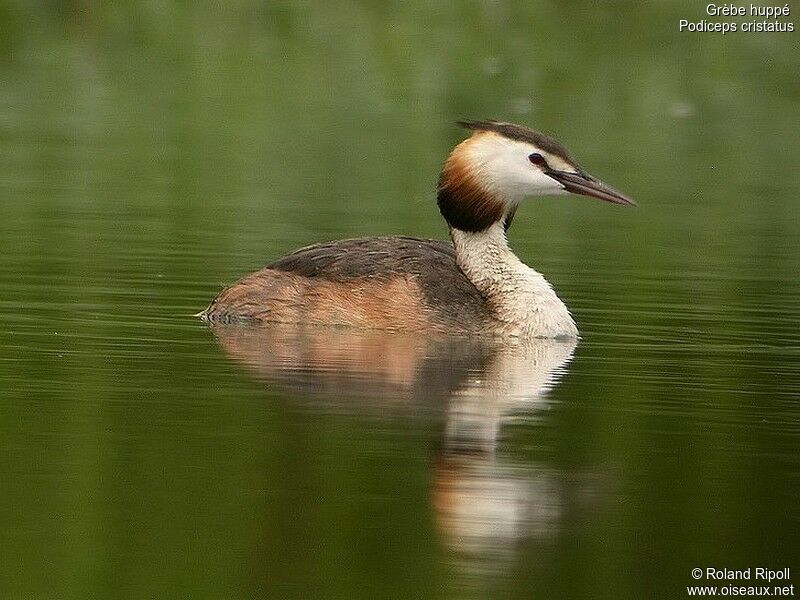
{"x":477,"y":285}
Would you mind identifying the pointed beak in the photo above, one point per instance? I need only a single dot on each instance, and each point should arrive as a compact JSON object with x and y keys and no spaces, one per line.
{"x":586,"y":185}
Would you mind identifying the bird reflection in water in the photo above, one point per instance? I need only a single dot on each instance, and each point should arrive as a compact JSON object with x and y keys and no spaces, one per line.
{"x":483,"y":501}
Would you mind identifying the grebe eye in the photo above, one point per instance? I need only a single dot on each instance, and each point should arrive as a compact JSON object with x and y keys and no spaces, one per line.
{"x":537,"y":159}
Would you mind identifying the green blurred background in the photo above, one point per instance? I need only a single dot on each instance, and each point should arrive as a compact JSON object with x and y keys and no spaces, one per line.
{"x":152,"y":152}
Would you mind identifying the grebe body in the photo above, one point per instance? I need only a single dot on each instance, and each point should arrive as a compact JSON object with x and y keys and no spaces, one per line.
{"x":473,"y":285}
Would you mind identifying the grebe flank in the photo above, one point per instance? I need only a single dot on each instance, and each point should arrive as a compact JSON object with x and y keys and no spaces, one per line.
{"x":474,"y":285}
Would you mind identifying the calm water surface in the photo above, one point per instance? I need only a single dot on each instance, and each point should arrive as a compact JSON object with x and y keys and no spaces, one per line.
{"x":149,"y":156}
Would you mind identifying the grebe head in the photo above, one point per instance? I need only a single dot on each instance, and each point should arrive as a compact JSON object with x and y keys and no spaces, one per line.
{"x":490,"y":173}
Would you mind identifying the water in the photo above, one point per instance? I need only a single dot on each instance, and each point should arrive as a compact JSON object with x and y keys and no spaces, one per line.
{"x":150,"y":155}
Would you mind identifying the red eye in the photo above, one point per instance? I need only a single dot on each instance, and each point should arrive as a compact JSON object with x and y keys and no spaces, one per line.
{"x":537,"y":159}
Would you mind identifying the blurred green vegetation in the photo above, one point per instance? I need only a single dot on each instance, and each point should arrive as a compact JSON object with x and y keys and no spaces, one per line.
{"x":152,"y":152}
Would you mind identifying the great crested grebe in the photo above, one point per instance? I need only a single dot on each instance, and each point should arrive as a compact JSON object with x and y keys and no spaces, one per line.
{"x":474,"y":285}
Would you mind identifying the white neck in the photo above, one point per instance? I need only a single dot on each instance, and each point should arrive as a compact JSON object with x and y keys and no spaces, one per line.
{"x":523,"y":301}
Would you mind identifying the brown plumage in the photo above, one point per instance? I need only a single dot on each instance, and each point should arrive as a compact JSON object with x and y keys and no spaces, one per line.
{"x":463,"y":200}
{"x":388,"y":283}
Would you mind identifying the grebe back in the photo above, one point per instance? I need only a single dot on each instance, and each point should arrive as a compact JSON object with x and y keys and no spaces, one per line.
{"x":474,"y":285}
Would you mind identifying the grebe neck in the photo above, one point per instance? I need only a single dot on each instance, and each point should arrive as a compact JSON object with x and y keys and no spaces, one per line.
{"x":522,"y":299}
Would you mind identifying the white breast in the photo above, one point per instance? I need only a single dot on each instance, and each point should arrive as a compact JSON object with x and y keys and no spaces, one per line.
{"x":524,"y":302}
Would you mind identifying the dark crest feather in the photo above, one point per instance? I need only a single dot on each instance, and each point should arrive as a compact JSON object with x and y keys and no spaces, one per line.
{"x":523,"y":134}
